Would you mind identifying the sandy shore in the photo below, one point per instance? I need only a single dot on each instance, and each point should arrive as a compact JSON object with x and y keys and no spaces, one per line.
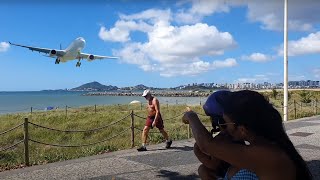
{"x":162,"y":94}
{"x":178,"y":93}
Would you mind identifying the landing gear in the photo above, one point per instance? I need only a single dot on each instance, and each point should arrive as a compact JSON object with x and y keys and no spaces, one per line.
{"x":78,"y":64}
{"x":57,"y":61}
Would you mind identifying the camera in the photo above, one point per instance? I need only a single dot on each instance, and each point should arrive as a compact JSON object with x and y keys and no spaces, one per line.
{"x":215,"y":119}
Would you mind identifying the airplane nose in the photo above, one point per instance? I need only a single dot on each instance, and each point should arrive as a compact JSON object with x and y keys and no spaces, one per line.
{"x":81,"y":39}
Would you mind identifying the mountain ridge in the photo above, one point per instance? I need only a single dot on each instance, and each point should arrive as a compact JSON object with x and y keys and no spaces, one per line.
{"x":96,"y":86}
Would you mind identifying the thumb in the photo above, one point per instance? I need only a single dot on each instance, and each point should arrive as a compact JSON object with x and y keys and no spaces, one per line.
{"x":188,"y":108}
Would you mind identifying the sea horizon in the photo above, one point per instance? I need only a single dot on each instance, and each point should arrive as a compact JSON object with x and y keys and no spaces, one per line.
{"x":23,"y":101}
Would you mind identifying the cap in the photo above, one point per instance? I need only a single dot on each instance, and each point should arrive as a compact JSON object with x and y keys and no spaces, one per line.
{"x":146,"y":92}
{"x":214,"y":106}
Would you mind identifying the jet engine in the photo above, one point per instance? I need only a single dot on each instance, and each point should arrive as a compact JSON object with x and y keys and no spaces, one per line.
{"x":53,"y":53}
{"x":90,"y":57}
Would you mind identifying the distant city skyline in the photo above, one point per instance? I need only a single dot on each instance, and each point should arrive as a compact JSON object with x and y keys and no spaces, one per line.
{"x":159,"y":43}
{"x":264,"y":85}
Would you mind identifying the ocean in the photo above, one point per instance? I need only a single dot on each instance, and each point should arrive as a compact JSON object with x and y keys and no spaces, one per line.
{"x":13,"y":102}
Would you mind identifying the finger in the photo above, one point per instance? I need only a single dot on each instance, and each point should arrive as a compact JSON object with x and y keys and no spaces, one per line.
{"x":185,"y":121}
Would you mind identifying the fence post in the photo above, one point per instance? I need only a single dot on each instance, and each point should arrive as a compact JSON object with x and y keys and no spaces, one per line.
{"x":95,"y":109}
{"x":188,"y":131}
{"x":66,"y":111}
{"x":26,"y":141}
{"x":295,"y":109}
{"x":312,"y":105}
{"x":316,"y":106}
{"x":132,"y":129}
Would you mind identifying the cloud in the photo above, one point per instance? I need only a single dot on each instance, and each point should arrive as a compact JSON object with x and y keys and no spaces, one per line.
{"x":151,"y":15}
{"x":4,"y":46}
{"x":200,"y":9}
{"x":170,"y":43}
{"x":179,"y":38}
{"x":296,"y":77}
{"x":122,"y":28}
{"x":196,"y":68}
{"x":121,"y":31}
{"x":270,"y":14}
{"x":254,"y":79}
{"x":136,"y":53}
{"x":168,"y":49}
{"x":305,"y":45}
{"x":257,"y":57}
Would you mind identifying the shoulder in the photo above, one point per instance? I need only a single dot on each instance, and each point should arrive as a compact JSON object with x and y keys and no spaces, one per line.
{"x":155,"y":99}
{"x":272,"y":158}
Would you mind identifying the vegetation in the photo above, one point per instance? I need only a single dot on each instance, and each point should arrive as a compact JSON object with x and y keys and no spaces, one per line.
{"x":86,"y":118}
{"x":274,"y":93}
{"x":305,"y":96}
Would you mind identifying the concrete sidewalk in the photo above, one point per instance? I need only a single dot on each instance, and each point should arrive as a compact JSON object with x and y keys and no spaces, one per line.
{"x":178,"y":162}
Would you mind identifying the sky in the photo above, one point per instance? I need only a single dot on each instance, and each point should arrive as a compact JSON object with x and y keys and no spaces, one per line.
{"x":159,"y":43}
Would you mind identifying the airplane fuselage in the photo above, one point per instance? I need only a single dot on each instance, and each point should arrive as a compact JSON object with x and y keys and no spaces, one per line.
{"x":73,"y":50}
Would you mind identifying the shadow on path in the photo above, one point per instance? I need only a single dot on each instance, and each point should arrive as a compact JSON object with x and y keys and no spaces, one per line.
{"x":175,"y":175}
{"x":314,"y":167}
{"x":185,"y":148}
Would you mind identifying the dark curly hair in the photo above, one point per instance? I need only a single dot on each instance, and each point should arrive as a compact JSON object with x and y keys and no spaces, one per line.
{"x":252,"y":110}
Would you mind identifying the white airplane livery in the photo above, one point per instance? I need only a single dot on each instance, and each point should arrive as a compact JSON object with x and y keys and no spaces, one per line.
{"x":72,"y":52}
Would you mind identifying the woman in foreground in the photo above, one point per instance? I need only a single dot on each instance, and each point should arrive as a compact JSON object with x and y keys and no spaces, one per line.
{"x":248,"y":117}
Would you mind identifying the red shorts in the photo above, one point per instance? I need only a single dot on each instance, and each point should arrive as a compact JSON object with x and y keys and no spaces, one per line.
{"x":159,"y":123}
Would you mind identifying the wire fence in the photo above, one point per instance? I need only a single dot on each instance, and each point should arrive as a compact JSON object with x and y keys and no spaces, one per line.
{"x":300,"y":109}
{"x":26,"y":134}
{"x":7,"y":131}
{"x":295,"y":109}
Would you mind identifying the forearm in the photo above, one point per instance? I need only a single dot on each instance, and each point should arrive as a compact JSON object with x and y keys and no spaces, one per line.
{"x":156,"y":117}
{"x":223,"y":148}
{"x":208,"y":161}
{"x":200,"y":133}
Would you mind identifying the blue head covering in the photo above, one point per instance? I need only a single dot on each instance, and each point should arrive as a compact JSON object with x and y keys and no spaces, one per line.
{"x":214,"y":107}
{"x":215,"y":102}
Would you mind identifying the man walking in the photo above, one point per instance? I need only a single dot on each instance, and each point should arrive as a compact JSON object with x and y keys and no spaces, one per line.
{"x":154,"y":119}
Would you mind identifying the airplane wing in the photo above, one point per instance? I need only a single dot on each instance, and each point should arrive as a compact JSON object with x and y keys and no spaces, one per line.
{"x":59,"y":53}
{"x":91,"y":57}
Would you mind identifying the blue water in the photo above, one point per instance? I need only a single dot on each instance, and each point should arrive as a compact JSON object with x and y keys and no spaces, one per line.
{"x":11,"y":102}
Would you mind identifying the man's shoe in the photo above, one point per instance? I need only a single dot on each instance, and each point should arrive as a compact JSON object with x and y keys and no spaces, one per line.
{"x":142,"y":148}
{"x":168,"y":144}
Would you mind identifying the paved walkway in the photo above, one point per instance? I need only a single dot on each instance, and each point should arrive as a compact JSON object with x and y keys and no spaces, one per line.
{"x":178,"y":162}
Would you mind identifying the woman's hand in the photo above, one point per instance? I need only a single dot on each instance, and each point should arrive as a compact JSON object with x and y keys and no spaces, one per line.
{"x":188,"y":115}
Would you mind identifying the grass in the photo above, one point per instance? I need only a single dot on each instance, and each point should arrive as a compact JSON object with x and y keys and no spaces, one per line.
{"x":86,"y":118}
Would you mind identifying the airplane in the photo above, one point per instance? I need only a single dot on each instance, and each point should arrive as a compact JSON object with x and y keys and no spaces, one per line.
{"x":72,"y":52}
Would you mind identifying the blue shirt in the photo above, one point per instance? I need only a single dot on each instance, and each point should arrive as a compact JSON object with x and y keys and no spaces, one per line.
{"x":242,"y":174}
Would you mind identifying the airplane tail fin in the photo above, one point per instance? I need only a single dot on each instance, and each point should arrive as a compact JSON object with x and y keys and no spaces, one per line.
{"x":60,"y":47}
